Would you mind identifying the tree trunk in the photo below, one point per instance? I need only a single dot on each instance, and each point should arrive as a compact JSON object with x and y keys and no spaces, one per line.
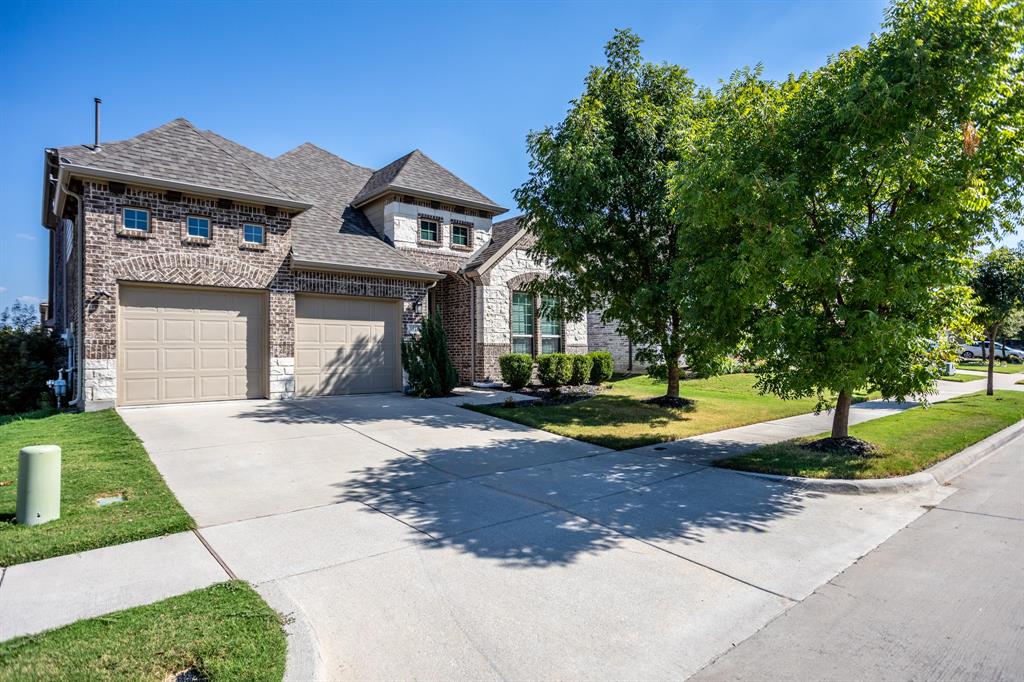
{"x":673,"y":377}
{"x":991,"y":360}
{"x":841,"y":419}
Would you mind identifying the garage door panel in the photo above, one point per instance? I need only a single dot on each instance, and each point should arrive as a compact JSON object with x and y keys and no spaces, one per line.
{"x":345,"y":345}
{"x":182,"y":345}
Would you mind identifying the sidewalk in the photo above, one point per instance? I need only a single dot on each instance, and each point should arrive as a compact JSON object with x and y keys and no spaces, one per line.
{"x":45,"y":594}
{"x":941,"y":599}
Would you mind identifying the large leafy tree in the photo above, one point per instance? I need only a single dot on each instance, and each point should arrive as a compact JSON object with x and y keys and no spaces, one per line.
{"x":597,"y":200}
{"x":999,"y":285}
{"x":829,"y":217}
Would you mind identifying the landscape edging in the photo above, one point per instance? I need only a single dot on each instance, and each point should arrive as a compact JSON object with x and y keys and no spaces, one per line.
{"x":938,"y":474}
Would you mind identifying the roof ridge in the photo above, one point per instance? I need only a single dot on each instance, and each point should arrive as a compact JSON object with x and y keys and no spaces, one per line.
{"x":325,"y":151}
{"x":222,"y":150}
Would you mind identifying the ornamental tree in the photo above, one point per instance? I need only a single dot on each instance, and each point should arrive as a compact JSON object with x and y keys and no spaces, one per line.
{"x":829,"y":217}
{"x":597,"y":201}
{"x":999,"y":285}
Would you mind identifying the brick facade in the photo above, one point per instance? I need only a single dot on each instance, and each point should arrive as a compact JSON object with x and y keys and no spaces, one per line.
{"x":606,"y":336}
{"x":166,"y":255}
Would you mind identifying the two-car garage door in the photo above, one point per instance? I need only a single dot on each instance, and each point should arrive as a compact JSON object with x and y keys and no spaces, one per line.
{"x":187,"y":344}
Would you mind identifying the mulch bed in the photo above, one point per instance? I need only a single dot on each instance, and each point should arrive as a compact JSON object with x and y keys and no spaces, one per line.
{"x":847,"y":446}
{"x":558,"y":396}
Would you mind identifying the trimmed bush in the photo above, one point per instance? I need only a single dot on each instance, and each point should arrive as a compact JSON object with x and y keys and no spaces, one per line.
{"x":426,"y":359}
{"x":554,"y":369}
{"x":582,"y":366}
{"x":516,"y":369}
{"x":602,"y":366}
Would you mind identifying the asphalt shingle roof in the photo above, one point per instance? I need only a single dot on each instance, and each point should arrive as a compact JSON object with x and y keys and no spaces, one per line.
{"x":501,"y":232}
{"x":332,"y":231}
{"x":177,"y":151}
{"x":417,"y":172}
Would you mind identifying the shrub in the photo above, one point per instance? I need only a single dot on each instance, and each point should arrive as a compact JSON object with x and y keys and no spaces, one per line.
{"x":582,"y":365}
{"x":29,"y":355}
{"x":554,"y":369}
{"x":426,"y":359}
{"x":601,"y":366}
{"x":516,"y":369}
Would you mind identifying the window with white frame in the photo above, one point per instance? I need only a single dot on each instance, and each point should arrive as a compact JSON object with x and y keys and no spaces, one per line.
{"x":550,"y":326}
{"x":135,"y":219}
{"x":198,"y":227}
{"x":460,"y":235}
{"x":254,"y":234}
{"x":522,"y":322}
{"x":428,"y":230}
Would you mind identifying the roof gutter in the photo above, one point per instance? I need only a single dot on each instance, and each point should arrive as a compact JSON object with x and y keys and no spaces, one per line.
{"x":317,"y":266}
{"x":494,"y":208}
{"x":188,"y":188}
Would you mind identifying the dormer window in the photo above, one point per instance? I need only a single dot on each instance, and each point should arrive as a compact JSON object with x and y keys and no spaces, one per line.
{"x":198,"y":227}
{"x":429,"y":230}
{"x":460,"y":235}
{"x":136,"y":219}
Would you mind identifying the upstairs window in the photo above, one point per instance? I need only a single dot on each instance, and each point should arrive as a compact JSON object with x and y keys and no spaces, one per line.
{"x":522,"y":322}
{"x":198,"y":227}
{"x":253,"y":234}
{"x":460,"y":235}
{"x":550,"y":326}
{"x":136,"y":219}
{"x":428,"y":230}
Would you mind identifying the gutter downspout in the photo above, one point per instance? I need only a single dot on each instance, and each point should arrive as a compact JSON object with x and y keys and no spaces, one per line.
{"x":79,"y":339}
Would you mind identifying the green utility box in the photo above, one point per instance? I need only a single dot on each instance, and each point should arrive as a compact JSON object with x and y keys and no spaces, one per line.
{"x":38,"y":484}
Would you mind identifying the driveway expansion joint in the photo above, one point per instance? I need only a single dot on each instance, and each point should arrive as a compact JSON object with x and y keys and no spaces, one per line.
{"x":213,"y":553}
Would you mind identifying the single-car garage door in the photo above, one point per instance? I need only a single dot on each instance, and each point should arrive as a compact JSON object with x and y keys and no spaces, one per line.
{"x":184,"y":344}
{"x":346,"y":345}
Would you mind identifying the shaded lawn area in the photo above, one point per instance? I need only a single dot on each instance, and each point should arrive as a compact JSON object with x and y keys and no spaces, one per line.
{"x":225,"y":632}
{"x":909,"y":441}
{"x":100,"y":457}
{"x":619,"y":419}
{"x":1000,"y":368}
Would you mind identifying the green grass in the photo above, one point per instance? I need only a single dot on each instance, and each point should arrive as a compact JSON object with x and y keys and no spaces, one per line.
{"x":619,"y":419}
{"x":909,"y":441}
{"x":226,"y":632}
{"x":100,"y":457}
{"x":962,"y":378}
{"x":1000,"y":368}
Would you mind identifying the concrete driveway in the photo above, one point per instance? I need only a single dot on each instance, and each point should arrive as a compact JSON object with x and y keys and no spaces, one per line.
{"x":421,"y":540}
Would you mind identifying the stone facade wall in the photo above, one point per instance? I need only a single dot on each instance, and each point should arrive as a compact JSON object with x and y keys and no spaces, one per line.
{"x":494,"y":300}
{"x":166,"y":255}
{"x":605,"y":336}
{"x":397,"y":219}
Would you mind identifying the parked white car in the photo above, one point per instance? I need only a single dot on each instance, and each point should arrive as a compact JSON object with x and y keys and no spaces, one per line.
{"x":979,"y":350}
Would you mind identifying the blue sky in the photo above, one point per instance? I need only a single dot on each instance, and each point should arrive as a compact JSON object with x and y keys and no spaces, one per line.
{"x":463,"y":81}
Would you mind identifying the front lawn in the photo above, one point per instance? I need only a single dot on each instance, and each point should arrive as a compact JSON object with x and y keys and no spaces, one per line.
{"x":962,"y":378}
{"x":223,"y":632}
{"x":101,"y":457}
{"x":908,"y":442}
{"x":1000,"y":368}
{"x":620,"y":419}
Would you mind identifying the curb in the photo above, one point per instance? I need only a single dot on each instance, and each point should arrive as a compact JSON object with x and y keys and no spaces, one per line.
{"x":938,"y":474}
{"x":303,"y":661}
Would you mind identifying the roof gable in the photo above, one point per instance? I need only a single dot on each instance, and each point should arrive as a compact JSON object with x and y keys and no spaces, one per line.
{"x":418,"y":173}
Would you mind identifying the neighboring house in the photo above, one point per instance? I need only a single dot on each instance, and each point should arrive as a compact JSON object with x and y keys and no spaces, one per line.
{"x":186,"y":267}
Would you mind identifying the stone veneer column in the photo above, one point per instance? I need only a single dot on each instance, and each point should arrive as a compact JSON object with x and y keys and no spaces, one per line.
{"x":282,"y":345}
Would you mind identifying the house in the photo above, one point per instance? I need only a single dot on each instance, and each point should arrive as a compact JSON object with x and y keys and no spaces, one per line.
{"x":186,"y":267}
